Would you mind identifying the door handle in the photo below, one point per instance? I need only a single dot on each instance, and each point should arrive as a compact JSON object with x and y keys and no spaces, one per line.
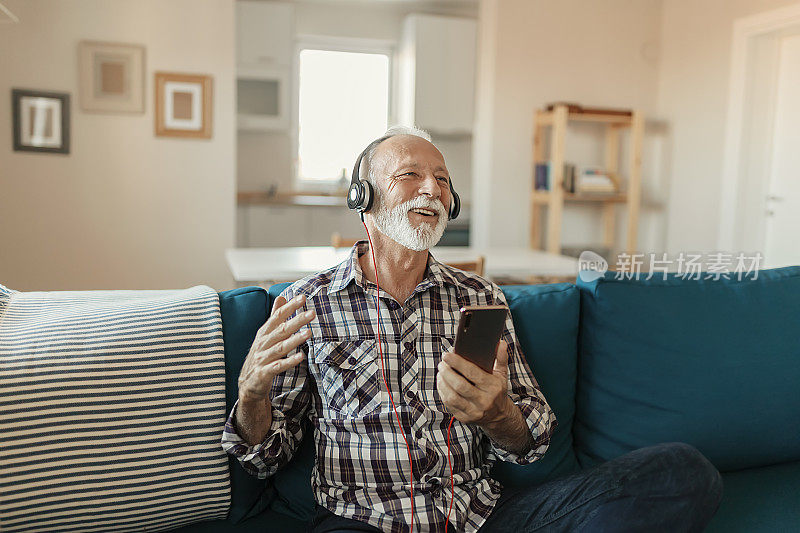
{"x":774,"y":198}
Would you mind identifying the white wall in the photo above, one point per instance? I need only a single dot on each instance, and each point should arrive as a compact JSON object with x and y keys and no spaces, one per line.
{"x":125,"y":209}
{"x":532,"y":52}
{"x":693,"y":93}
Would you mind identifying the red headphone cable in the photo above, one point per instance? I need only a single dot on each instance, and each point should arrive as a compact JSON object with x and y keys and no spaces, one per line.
{"x":452,"y":485}
{"x":383,"y":373}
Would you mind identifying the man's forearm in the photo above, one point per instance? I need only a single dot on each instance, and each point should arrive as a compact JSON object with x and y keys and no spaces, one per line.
{"x":510,"y":430}
{"x":253,"y":420}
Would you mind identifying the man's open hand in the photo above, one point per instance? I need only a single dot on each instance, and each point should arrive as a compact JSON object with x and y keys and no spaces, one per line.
{"x":274,"y":340}
{"x":471,"y":394}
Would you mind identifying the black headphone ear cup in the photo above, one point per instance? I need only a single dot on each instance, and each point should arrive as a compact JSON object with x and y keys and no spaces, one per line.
{"x":455,"y":204}
{"x":369,"y":196}
{"x":360,"y":196}
{"x":355,"y":195}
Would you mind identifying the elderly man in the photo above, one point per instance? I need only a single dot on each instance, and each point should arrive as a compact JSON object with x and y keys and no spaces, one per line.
{"x":317,"y":357}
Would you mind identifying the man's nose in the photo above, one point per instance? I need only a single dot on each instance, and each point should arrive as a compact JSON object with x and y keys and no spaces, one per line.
{"x":430,"y":186}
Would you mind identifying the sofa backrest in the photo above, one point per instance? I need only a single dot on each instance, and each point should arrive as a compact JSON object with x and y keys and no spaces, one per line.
{"x":636,"y":362}
{"x":243,"y":311}
{"x":711,"y":363}
{"x":714,"y":363}
{"x":546,"y":323}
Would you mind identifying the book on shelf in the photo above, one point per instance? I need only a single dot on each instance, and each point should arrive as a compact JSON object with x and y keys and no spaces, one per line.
{"x":543,"y":171}
{"x":540,"y":176}
{"x":595,"y":181}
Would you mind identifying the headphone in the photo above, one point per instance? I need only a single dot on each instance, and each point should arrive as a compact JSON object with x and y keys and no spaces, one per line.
{"x":361,"y":195}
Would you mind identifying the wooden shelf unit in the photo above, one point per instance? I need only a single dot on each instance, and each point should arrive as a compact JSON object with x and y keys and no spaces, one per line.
{"x":543,"y":197}
{"x":554,"y":198}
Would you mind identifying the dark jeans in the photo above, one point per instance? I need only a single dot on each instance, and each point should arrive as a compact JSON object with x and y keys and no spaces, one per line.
{"x":668,"y":487}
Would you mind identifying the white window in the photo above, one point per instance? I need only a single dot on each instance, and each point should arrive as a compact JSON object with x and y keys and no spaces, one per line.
{"x":343,"y":105}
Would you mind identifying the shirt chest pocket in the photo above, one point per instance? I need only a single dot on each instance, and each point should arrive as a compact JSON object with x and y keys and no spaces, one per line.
{"x":429,"y":392}
{"x":349,"y":377}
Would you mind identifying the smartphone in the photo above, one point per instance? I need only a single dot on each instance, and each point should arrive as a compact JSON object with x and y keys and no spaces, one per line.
{"x":478,"y":334}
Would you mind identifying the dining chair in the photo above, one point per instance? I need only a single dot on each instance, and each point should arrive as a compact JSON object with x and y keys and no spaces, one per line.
{"x":475,"y":266}
{"x":337,"y":241}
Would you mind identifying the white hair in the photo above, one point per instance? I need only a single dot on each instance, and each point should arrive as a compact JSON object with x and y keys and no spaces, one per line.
{"x":391,"y":132}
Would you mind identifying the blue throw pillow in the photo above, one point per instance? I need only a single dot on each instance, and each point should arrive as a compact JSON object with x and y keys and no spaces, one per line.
{"x":243,"y":312}
{"x":546,"y":323}
{"x":715,"y":364}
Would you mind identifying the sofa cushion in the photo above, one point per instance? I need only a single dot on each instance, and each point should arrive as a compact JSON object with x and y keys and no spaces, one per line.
{"x":713,"y":363}
{"x":267,"y":521}
{"x":759,"y":500}
{"x":243,"y":312}
{"x":111,"y":409}
{"x":288,"y":492}
{"x":546,"y":321}
{"x":293,"y":495}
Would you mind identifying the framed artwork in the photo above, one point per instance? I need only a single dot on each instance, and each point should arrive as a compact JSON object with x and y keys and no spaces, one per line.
{"x":40,"y":121}
{"x":183,"y":105}
{"x":111,"y":77}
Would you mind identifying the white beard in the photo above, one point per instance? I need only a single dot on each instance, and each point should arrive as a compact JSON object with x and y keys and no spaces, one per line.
{"x":395,"y":223}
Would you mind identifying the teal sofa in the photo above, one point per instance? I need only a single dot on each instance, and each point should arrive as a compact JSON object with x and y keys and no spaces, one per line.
{"x":624,"y":363}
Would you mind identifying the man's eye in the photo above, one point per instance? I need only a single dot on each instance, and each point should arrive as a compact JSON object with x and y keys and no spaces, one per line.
{"x":442,"y":179}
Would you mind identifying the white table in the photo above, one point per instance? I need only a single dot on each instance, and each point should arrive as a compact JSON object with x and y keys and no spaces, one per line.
{"x":263,"y":265}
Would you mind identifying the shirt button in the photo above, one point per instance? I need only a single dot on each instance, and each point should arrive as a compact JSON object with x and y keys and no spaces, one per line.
{"x":409,"y":346}
{"x":393,"y":305}
{"x":351,"y":360}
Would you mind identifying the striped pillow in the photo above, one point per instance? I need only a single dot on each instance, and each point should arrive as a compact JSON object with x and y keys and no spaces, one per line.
{"x":112,"y":404}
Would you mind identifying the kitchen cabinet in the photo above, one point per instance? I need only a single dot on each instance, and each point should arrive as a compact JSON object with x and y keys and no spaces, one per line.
{"x":437,"y":73}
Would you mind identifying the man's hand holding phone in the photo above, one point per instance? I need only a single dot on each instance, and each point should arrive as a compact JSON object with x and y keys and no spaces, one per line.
{"x":471,"y":394}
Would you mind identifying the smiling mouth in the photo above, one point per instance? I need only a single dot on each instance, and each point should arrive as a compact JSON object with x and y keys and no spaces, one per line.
{"x":424,"y":212}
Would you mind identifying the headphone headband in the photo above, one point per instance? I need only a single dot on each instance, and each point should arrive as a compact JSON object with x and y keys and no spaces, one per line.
{"x":357,"y":168}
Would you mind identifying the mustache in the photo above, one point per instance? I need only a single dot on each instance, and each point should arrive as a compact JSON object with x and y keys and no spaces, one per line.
{"x":426,"y":203}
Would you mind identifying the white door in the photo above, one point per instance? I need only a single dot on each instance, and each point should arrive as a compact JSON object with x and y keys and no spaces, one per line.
{"x":781,"y":246}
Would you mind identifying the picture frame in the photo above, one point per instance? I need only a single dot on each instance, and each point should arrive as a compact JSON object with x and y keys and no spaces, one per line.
{"x":112,"y":77}
{"x":41,"y":121}
{"x":183,"y":105}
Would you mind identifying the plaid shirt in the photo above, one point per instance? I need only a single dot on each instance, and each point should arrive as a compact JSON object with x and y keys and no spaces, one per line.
{"x":362,"y":465}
